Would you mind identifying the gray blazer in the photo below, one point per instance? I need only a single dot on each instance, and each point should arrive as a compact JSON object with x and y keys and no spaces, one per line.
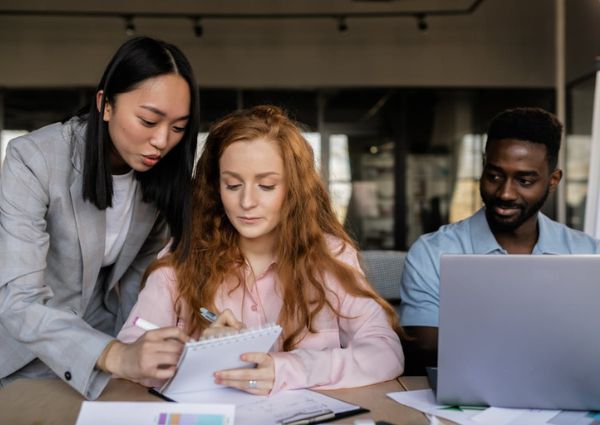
{"x":51,"y":250}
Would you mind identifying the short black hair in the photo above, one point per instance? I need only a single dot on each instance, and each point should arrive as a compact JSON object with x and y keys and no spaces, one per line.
{"x":533,"y":125}
{"x":168,"y":184}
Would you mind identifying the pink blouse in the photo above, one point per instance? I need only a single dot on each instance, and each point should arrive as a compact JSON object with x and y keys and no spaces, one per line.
{"x":358,"y":349}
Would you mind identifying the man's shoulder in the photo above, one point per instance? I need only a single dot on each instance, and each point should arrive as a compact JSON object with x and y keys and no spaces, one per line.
{"x":453,"y":237}
{"x":566,"y":239}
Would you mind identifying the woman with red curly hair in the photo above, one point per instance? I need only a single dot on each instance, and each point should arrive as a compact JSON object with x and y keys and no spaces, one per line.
{"x":266,"y":246}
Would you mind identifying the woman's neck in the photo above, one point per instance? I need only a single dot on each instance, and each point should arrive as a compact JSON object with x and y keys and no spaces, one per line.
{"x":117,"y":165}
{"x":259,"y":253}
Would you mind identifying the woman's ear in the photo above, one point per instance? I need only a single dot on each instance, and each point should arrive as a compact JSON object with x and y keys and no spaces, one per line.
{"x":107,"y":107}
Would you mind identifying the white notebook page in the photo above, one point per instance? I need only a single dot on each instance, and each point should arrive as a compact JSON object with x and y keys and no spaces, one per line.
{"x":200,"y":360}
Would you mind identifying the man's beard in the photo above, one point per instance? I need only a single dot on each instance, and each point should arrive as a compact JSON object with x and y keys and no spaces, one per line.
{"x":500,"y":224}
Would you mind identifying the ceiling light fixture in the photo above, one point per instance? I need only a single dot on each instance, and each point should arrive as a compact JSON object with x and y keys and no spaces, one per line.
{"x":198,"y":28}
{"x":342,"y":24}
{"x":129,"y":26}
{"x":422,"y":22}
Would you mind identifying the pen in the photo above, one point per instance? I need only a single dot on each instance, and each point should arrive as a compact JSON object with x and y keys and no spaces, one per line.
{"x":208,"y":315}
{"x":144,"y":324}
{"x":160,"y":395}
{"x":323,"y":416}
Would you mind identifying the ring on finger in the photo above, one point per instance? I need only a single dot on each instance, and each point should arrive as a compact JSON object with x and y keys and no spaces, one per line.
{"x":252,"y":384}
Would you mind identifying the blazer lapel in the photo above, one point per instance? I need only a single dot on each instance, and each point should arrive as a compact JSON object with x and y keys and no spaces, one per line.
{"x":91,"y":226}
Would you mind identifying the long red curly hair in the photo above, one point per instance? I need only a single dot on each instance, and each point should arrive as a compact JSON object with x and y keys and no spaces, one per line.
{"x":302,"y":253}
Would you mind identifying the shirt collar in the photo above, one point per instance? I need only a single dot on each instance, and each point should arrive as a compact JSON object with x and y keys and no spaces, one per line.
{"x":548,"y":241}
{"x":482,"y":238}
{"x":269,"y":269}
{"x":484,"y":242}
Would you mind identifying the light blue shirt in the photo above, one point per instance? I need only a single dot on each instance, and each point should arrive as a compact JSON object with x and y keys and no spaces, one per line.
{"x":419,"y":290}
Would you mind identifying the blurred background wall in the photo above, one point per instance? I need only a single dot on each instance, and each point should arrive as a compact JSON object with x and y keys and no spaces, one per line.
{"x":395,"y":105}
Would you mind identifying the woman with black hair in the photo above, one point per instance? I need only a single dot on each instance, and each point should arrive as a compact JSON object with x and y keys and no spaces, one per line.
{"x":85,"y":206}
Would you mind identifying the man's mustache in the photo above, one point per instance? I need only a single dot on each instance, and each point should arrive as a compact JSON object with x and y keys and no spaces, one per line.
{"x":508,"y":205}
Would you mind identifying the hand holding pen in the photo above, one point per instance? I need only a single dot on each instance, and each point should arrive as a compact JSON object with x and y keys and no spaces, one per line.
{"x":257,"y":380}
{"x":154,"y":355}
{"x":221,"y":324}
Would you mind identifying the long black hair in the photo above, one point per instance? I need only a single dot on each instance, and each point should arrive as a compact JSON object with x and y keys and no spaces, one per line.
{"x":168,"y":184}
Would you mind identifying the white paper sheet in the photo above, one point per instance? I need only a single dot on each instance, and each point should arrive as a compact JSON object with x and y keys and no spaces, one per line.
{"x":148,"y":413}
{"x":262,"y":410}
{"x":503,"y":416}
{"x":424,"y":400}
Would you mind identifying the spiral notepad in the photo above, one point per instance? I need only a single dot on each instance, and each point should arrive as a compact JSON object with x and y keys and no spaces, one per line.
{"x":200,"y":360}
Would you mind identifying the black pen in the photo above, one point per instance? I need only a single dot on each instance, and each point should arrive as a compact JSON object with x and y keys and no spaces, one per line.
{"x":158,"y":394}
{"x":321,"y":416}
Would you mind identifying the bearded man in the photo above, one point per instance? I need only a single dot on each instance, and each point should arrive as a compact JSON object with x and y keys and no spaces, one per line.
{"x":519,"y":172}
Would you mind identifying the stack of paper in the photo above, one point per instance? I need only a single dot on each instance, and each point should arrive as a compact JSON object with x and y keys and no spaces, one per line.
{"x":424,"y":400}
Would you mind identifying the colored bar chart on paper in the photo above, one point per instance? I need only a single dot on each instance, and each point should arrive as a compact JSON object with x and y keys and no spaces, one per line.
{"x":190,"y":419}
{"x":159,"y":413}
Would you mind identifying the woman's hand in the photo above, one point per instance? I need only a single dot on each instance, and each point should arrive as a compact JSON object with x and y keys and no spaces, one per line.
{"x":153,"y":356}
{"x":258,"y":380}
{"x":225,"y":323}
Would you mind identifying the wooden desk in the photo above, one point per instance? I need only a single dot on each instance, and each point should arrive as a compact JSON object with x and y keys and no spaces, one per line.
{"x":52,"y":402}
{"x":411,"y":383}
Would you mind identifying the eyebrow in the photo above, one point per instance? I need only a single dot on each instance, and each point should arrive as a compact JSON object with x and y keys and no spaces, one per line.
{"x":526,"y":173}
{"x":260,"y":176}
{"x":161,"y":113}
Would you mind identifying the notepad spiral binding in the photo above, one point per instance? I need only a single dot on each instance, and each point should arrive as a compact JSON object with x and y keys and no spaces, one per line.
{"x":242,"y":335}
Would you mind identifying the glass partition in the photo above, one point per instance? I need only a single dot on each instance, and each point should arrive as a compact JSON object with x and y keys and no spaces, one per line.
{"x":577,"y":144}
{"x":398,"y":162}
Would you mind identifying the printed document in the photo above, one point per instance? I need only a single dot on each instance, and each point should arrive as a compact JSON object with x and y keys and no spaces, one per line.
{"x":160,"y":413}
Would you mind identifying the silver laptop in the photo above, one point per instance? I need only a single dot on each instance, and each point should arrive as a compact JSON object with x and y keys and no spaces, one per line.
{"x":520,"y":331}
